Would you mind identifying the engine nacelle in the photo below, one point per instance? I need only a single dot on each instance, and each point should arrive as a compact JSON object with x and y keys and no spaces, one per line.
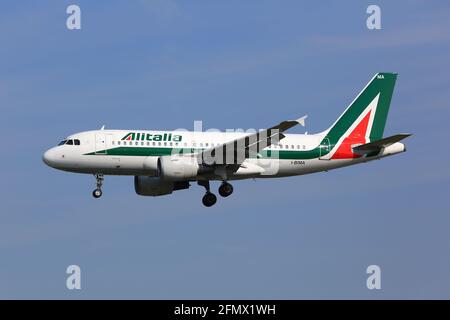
{"x":150,"y":165}
{"x":155,"y":186}
{"x":177,"y":167}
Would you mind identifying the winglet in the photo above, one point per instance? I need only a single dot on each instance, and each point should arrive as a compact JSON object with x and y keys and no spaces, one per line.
{"x":302,"y":120}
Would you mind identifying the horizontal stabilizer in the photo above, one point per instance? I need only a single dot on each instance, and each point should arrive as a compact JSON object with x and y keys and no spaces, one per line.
{"x":379,"y":144}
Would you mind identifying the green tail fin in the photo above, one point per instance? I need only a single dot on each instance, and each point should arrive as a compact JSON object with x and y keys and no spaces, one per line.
{"x":373,"y":103}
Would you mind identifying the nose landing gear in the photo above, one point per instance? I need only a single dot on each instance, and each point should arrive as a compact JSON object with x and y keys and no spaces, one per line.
{"x":97,"y":193}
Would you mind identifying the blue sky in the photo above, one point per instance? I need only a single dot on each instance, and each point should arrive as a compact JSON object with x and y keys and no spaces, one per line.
{"x":232,"y":64}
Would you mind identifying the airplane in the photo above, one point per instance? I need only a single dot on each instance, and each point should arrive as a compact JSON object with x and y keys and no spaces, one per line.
{"x":166,"y":161}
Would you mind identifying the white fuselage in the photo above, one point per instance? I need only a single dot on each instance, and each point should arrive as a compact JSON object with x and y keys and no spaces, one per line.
{"x":106,"y":152}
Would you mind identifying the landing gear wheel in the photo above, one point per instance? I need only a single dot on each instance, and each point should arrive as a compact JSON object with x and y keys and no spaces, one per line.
{"x":97,"y":193}
{"x":209,"y":199}
{"x":225,"y":189}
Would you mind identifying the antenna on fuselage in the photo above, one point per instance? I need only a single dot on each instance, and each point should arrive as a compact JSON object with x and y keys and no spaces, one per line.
{"x":103,"y":127}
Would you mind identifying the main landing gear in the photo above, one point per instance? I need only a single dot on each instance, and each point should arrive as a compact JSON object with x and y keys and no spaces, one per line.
{"x":97,"y":193}
{"x":225,"y":189}
{"x":210,"y":199}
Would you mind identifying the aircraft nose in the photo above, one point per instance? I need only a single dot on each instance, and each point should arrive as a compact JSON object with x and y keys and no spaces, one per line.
{"x":49,"y":157}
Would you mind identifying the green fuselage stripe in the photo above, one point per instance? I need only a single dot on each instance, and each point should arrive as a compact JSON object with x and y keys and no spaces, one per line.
{"x":157,"y":152}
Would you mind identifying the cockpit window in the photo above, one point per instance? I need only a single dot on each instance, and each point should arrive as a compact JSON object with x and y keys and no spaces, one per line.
{"x":70,"y":142}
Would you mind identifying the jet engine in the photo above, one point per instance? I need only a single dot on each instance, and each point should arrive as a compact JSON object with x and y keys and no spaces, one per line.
{"x":177,"y":167}
{"x":155,"y":186}
{"x":150,"y":165}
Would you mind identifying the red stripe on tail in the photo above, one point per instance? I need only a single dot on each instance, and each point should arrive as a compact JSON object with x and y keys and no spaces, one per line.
{"x":358,"y":135}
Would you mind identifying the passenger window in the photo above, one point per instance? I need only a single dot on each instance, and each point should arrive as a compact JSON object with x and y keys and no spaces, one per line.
{"x":118,"y":142}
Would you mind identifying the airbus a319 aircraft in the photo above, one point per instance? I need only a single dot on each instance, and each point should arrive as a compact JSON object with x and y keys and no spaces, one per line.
{"x":165,"y":161}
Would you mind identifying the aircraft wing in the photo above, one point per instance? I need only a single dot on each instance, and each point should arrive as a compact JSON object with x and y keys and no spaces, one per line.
{"x":236,"y":151}
{"x":379,"y":144}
